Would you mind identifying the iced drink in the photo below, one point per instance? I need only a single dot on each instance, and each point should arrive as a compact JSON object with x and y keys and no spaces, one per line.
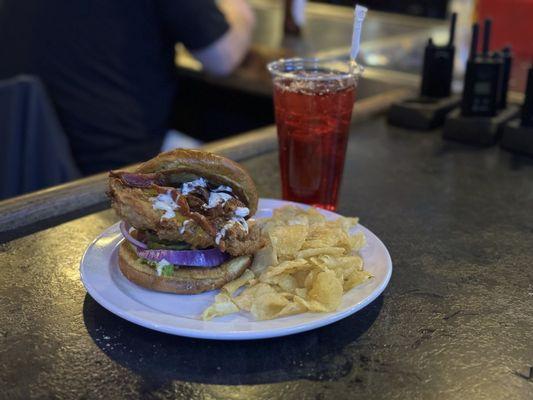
{"x":313,"y":107}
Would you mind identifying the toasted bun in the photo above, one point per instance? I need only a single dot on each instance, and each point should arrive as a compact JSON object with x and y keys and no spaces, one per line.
{"x":185,"y":164}
{"x":184,"y":280}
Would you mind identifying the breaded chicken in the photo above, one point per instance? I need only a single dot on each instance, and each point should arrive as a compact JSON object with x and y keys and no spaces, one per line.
{"x":135,"y":205}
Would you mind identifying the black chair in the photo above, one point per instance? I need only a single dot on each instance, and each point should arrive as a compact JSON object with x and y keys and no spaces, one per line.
{"x":34,"y":150}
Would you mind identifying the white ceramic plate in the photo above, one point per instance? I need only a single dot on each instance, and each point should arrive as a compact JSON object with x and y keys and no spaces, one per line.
{"x":180,"y":314}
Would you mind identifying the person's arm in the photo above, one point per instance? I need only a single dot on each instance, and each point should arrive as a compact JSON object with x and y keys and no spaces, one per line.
{"x":226,"y":53}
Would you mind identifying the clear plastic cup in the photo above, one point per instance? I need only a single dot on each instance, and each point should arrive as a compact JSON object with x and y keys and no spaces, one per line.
{"x":313,"y":102}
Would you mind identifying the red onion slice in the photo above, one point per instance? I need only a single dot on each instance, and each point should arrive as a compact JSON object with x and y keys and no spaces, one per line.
{"x":190,"y":258}
{"x":125,"y":229}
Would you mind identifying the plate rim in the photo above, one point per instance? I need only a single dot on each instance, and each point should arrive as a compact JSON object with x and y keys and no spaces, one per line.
{"x":327,"y":319}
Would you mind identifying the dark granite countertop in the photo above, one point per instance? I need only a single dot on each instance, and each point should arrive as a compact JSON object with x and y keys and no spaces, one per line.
{"x":454,"y":323}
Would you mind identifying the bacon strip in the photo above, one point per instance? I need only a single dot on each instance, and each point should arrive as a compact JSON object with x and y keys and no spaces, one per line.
{"x":137,"y":180}
{"x":196,"y":217}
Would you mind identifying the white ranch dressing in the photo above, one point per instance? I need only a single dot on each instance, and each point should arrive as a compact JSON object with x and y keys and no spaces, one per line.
{"x":223,"y":188}
{"x":166,"y":203}
{"x":160,"y":265}
{"x":188,"y":187}
{"x":182,"y":228}
{"x":216,"y":199}
{"x":235,"y":220}
{"x":242,"y":212}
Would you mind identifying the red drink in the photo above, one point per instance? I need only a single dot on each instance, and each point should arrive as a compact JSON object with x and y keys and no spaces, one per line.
{"x":312,"y":117}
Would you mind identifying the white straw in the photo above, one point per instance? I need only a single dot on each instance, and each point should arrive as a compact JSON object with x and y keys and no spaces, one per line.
{"x":298,"y":12}
{"x":359,"y":17}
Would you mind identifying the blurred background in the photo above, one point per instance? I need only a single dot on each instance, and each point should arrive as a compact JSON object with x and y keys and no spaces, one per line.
{"x":211,"y":98}
{"x":394,"y":36}
{"x":421,"y":8}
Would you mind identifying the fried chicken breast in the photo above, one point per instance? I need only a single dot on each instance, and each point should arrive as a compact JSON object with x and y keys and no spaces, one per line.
{"x":179,"y":204}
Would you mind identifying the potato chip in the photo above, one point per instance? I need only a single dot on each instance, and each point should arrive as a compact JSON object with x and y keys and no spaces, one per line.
{"x":331,"y":235}
{"x":264,"y":258}
{"x":245,"y":299}
{"x":355,"y":278}
{"x":314,"y":217}
{"x":327,"y":290}
{"x":310,"y":305}
{"x":233,"y":286}
{"x":265,"y":225}
{"x":285,"y":267}
{"x":286,"y":282}
{"x":341,"y":273}
{"x":268,"y":305}
{"x":343,"y":223}
{"x":300,"y":277}
{"x":290,"y":215}
{"x":344,"y":240}
{"x":222,"y":306}
{"x":341,"y":270}
{"x":320,"y":236}
{"x":301,"y":292}
{"x":311,"y":278}
{"x":344,"y":262}
{"x":357,"y":241}
{"x":291,"y":309}
{"x":287,"y":240}
{"x":334,"y":251}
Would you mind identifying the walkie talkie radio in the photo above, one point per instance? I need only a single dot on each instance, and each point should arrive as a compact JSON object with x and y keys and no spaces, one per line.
{"x":438,"y":66}
{"x":484,"y":110}
{"x":518,"y":134}
{"x":527,"y":107}
{"x":482,"y":80}
{"x":507,"y":60}
{"x":429,"y":110}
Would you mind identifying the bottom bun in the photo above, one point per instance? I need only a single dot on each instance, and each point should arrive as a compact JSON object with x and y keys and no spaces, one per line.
{"x":184,"y":280}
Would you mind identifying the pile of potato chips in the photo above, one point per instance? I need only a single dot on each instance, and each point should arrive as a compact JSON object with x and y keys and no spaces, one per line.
{"x":307,"y":265}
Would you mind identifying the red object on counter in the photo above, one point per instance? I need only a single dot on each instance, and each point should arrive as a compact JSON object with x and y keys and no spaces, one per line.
{"x":512,"y":23}
{"x":312,"y":133}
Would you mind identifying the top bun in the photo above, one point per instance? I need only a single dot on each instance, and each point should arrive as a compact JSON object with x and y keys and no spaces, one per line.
{"x":185,"y":164}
